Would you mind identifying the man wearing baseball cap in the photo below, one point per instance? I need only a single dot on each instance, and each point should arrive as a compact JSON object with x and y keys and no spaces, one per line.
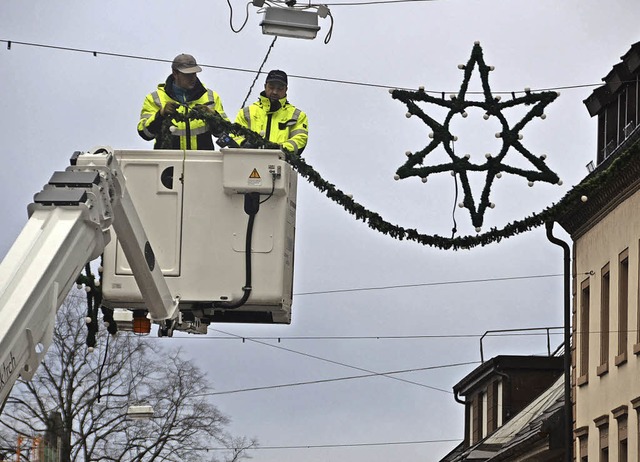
{"x":181,"y":92}
{"x":275,"y":118}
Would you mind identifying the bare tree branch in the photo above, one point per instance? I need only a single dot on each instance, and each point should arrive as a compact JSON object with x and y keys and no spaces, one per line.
{"x":85,"y":418}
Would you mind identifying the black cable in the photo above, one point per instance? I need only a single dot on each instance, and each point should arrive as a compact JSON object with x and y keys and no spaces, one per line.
{"x":104,"y":362}
{"x":454,"y":230}
{"x":259,"y":71}
{"x":251,"y":207}
{"x":273,"y":187}
{"x":231,"y":17}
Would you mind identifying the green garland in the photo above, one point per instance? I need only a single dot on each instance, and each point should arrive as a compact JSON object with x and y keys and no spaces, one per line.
{"x":372,"y":219}
{"x":461,"y":166}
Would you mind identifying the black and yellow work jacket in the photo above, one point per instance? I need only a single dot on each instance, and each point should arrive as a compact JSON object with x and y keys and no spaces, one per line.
{"x":192,"y":134}
{"x":279,"y":122}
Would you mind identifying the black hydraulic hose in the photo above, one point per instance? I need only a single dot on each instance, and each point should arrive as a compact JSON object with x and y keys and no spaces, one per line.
{"x":251,"y":207}
{"x":568,"y":410}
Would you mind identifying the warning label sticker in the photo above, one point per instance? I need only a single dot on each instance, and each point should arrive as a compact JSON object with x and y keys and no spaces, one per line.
{"x":254,"y":178}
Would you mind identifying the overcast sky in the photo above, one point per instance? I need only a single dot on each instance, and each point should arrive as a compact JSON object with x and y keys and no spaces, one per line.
{"x":56,"y":101}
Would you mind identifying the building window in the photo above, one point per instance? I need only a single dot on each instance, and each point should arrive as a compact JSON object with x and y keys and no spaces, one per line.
{"x":636,"y":347}
{"x":603,"y":435}
{"x":605,"y":295}
{"x":636,"y":405}
{"x":620,"y":414}
{"x":492,"y":406}
{"x":583,"y":333}
{"x":484,"y":416}
{"x":582,"y":437}
{"x":623,"y":306}
{"x":617,"y":120}
{"x":477,"y":418}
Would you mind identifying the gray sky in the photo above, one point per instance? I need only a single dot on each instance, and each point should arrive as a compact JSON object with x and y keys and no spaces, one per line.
{"x":55,"y":102}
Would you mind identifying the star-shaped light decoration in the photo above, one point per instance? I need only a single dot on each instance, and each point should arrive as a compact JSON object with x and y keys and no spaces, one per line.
{"x":493,"y":107}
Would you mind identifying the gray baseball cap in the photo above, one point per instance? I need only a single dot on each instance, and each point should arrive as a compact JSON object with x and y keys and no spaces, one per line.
{"x":186,"y":64}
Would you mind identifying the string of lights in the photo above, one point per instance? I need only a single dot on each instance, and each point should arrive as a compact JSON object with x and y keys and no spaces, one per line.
{"x":96,"y":53}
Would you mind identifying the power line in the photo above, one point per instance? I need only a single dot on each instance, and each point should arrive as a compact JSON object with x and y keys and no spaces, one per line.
{"x":319,"y":358}
{"x":368,"y":337}
{"x":354,"y":445}
{"x":339,"y":379}
{"x":320,"y":446}
{"x":95,"y":53}
{"x":427,"y":284}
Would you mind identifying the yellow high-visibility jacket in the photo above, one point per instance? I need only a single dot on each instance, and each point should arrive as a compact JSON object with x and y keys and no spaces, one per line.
{"x":193,"y":134}
{"x":280,"y":123}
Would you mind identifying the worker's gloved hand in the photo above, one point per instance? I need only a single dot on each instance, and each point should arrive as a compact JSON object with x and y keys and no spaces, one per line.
{"x":205,"y":108}
{"x":169,"y":108}
{"x":288,"y":147}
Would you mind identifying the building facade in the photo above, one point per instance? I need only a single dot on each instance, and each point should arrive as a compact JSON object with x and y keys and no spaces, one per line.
{"x":603,"y":218}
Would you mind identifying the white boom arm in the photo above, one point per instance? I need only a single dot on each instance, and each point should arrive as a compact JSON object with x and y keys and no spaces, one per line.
{"x":68,"y":227}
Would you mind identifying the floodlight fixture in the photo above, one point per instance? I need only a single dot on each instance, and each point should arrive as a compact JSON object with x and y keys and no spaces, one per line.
{"x":140,"y":412}
{"x":290,"y":22}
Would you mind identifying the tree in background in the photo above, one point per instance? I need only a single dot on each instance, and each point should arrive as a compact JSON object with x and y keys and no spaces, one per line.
{"x":78,"y":401}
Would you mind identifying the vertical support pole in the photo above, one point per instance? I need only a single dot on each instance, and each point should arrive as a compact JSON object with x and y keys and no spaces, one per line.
{"x":568,"y":410}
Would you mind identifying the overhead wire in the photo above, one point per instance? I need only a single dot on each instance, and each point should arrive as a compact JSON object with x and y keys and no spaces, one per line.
{"x":331,"y":361}
{"x":95,"y":53}
{"x":259,"y":71}
{"x":338,"y":379}
{"x":370,"y":337}
{"x":323,"y":446}
{"x":428,"y":284}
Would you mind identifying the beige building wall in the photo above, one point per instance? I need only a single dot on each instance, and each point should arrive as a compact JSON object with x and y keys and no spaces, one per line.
{"x":602,"y":393}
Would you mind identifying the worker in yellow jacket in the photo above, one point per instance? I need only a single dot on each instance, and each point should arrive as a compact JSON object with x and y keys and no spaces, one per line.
{"x":181,"y":92}
{"x":274,"y":118}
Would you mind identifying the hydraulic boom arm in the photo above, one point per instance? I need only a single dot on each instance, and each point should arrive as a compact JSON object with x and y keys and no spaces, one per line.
{"x":68,"y":227}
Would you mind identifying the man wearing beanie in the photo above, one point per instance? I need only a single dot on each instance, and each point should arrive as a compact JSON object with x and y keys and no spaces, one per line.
{"x":274,"y":118}
{"x":181,"y":92}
